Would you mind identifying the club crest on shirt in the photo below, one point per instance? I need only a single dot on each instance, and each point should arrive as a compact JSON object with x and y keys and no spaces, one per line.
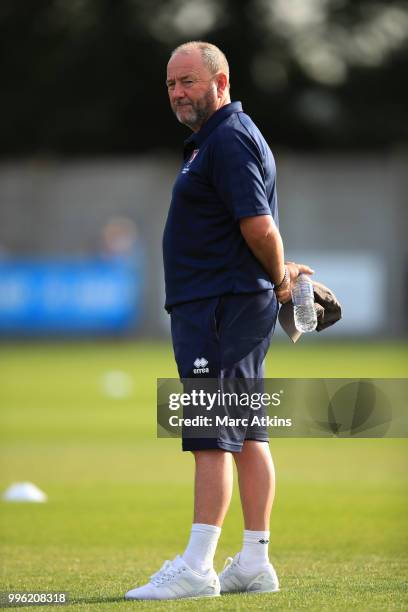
{"x":186,"y":167}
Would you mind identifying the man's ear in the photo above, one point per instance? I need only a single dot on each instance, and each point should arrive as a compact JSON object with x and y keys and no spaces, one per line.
{"x":222,"y":84}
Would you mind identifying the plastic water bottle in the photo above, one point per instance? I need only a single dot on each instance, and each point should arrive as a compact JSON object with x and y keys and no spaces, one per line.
{"x":303,"y":304}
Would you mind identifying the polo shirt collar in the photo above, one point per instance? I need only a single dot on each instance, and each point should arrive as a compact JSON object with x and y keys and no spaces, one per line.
{"x":198,"y":138}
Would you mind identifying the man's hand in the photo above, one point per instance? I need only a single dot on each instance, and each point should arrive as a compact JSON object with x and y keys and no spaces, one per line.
{"x":263,"y":238}
{"x":284,"y":292}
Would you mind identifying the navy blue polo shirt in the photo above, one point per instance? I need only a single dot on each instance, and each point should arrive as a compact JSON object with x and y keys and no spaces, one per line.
{"x":228,"y":173}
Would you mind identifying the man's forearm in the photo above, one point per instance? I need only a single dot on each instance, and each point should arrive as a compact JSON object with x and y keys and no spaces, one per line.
{"x":265,"y":242}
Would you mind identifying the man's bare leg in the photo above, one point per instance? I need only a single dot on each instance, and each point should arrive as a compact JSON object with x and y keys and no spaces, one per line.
{"x":213,"y":489}
{"x":250,"y":569}
{"x":256,"y":477}
{"x":213,"y":486}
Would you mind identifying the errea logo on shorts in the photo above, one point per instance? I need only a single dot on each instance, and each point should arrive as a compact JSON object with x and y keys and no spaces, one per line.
{"x":200,"y":366}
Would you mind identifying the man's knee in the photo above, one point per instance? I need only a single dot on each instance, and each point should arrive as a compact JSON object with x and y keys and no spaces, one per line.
{"x":211,"y":454}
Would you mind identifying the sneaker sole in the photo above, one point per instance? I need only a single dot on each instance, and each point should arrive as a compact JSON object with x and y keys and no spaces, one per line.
{"x":249,"y":592}
{"x":199,"y":596}
{"x":174,"y":598}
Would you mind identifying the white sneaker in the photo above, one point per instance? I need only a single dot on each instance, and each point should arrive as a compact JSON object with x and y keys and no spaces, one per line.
{"x":236,"y":579}
{"x":176,"y":580}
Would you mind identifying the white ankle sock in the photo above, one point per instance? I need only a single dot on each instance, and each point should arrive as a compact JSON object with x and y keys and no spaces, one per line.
{"x":200,"y":551}
{"x":254,"y":551}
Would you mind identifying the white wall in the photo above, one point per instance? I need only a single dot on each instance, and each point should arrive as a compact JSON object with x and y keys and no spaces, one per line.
{"x":346,"y":216}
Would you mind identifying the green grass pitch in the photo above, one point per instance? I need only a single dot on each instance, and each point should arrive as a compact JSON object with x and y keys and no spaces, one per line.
{"x":120,"y":501}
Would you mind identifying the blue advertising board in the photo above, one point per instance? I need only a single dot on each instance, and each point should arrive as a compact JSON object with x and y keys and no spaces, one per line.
{"x":69,"y":296}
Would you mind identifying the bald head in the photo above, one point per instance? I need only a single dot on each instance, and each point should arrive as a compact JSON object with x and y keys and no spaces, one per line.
{"x":197,"y":82}
{"x":213,"y":58}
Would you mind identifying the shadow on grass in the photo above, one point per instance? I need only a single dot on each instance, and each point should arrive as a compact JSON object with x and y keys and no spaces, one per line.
{"x":95,"y":600}
{"x":71,"y":602}
{"x":76,"y":601}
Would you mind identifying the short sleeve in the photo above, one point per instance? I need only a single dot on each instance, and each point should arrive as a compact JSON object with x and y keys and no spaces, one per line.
{"x":238,"y":174}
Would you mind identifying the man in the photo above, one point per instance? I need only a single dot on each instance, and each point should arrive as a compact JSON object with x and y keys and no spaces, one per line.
{"x":225,"y":273}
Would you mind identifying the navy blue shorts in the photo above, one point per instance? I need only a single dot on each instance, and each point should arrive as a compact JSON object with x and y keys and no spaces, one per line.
{"x":221,"y":338}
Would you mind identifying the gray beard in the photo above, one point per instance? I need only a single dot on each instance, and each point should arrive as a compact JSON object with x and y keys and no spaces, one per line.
{"x":198,"y":113}
{"x":195,"y":120}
